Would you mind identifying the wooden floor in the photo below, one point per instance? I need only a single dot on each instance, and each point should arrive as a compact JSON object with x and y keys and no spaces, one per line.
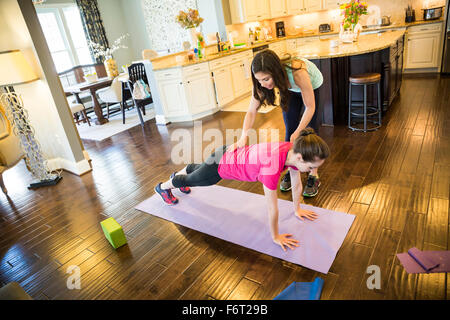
{"x":395,"y":180}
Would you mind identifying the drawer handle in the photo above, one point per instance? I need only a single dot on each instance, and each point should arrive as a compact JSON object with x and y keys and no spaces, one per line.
{"x":196,"y":69}
{"x":168,"y":74}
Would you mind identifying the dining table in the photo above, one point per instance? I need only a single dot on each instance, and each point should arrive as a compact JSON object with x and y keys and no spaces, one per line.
{"x":92,"y":87}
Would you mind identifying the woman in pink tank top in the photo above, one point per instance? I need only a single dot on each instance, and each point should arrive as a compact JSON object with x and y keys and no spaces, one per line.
{"x":262,"y":162}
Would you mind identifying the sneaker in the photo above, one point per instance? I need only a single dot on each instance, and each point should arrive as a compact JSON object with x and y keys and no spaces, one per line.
{"x":182,"y":189}
{"x":285,"y":184}
{"x":166,"y":195}
{"x":311,"y":187}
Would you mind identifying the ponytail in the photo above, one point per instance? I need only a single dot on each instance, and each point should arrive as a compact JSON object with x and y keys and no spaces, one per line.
{"x":311,"y":146}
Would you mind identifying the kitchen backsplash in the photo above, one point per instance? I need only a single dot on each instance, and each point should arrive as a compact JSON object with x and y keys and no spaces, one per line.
{"x":163,"y":31}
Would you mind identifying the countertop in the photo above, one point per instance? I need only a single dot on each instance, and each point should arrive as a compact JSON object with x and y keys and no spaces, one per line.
{"x":321,"y":49}
{"x":316,"y":49}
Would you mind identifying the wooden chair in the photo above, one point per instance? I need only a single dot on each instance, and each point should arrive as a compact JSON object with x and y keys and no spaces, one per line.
{"x":10,"y":150}
{"x":78,"y":108}
{"x":137,"y":72}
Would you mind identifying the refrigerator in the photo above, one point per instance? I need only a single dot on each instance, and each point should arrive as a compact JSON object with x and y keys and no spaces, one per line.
{"x":446,"y":53}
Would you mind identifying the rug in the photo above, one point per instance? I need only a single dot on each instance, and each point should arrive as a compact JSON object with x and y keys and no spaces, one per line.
{"x":115,"y":125}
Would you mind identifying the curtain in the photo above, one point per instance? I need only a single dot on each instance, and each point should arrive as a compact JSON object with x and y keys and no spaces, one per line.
{"x":92,"y":24}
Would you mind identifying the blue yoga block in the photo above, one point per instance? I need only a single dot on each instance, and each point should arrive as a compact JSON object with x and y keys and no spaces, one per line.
{"x":302,"y":291}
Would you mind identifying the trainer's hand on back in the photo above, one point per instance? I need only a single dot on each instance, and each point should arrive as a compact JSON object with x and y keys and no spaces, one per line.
{"x":310,"y":215}
{"x":239,"y":144}
{"x":284,"y":241}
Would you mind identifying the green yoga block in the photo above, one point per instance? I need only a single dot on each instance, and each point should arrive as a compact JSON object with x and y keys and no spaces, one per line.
{"x":113,"y":232}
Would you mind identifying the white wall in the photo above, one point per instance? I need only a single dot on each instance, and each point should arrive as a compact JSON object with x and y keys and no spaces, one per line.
{"x":52,"y":122}
{"x":135,"y":24}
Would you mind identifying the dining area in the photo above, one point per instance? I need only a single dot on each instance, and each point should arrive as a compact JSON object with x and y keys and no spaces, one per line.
{"x":99,"y":98}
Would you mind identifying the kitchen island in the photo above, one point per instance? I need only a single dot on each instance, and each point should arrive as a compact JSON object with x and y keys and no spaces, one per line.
{"x":380,"y":52}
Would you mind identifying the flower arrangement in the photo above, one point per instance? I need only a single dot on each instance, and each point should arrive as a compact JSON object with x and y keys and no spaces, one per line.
{"x":190,"y":19}
{"x":351,"y":12}
{"x":101,"y":51}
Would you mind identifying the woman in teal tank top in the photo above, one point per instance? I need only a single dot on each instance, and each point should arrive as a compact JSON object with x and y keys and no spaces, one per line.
{"x":293,"y":85}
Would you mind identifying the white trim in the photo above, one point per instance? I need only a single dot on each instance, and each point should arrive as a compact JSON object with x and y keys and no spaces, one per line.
{"x":161,"y":119}
{"x":77,"y":168}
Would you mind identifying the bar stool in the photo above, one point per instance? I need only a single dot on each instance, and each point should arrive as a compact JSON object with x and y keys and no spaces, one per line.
{"x":367,"y":112}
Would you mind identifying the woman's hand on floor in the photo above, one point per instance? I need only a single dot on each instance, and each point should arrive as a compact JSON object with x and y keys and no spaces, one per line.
{"x":285,"y":240}
{"x":308,"y":214}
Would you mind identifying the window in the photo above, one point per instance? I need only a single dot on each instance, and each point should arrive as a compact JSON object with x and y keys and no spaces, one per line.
{"x":67,"y":45}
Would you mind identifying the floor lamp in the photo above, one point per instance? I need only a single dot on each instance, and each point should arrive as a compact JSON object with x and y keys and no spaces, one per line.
{"x":15,"y":70}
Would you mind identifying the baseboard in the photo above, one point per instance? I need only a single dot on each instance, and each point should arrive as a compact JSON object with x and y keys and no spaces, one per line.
{"x":422,"y":70}
{"x":161,"y":120}
{"x":77,"y":168}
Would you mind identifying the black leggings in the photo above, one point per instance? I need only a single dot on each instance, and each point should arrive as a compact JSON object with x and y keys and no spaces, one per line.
{"x":295,"y":111}
{"x":201,"y":175}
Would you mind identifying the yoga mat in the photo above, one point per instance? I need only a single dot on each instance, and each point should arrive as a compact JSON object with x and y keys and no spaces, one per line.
{"x":416,"y":261}
{"x":302,"y":291}
{"x":241,"y":217}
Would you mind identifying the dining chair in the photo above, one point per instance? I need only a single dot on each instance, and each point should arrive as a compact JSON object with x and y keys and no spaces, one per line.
{"x":76,"y":109}
{"x":136,"y":72}
{"x":112,"y":94}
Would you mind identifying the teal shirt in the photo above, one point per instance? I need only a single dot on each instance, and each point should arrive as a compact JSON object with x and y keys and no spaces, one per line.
{"x":315,"y":76}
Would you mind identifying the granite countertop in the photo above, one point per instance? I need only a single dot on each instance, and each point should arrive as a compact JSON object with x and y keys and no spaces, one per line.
{"x":321,"y":49}
{"x":317,"y":49}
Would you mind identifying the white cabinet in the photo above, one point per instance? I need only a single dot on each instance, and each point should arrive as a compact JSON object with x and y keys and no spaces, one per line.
{"x":278,"y":8}
{"x":295,"y":7}
{"x":312,"y":5}
{"x":172,"y":97}
{"x":232,"y":76}
{"x":423,"y":46}
{"x":249,"y":10}
{"x":331,"y":4}
{"x":186,"y":93}
{"x":199,"y":93}
{"x":224,"y":86}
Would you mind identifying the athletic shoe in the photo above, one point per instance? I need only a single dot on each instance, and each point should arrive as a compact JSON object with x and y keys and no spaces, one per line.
{"x":166,"y":195}
{"x":285,"y":184}
{"x":182,"y":189}
{"x":312,"y":186}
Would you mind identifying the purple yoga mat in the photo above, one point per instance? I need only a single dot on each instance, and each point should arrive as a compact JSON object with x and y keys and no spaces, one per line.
{"x":416,"y":261}
{"x":241,"y":217}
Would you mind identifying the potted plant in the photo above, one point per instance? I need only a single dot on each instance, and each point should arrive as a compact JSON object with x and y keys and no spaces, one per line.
{"x":352,"y":11}
{"x":189,"y":21}
{"x":102,"y":51}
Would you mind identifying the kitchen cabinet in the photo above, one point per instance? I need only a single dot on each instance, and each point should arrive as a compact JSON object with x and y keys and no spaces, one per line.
{"x":295,"y":7}
{"x":423,"y":46}
{"x":278,"y":8}
{"x":223,"y":85}
{"x":200,"y":95}
{"x":186,"y":93}
{"x":392,"y":60}
{"x":312,"y":5}
{"x":232,"y":76}
{"x":249,"y":10}
{"x":331,"y":4}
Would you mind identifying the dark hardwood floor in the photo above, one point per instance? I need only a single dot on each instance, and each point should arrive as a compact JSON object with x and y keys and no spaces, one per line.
{"x":395,"y":180}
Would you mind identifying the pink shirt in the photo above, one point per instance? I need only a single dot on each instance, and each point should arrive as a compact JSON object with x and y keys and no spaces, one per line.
{"x":262,"y":162}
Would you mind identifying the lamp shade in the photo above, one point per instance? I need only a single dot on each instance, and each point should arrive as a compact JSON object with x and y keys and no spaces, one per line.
{"x":15,"y":69}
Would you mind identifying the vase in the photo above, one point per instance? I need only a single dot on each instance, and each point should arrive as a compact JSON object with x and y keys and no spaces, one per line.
{"x":193,"y":36}
{"x":111,"y":67}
